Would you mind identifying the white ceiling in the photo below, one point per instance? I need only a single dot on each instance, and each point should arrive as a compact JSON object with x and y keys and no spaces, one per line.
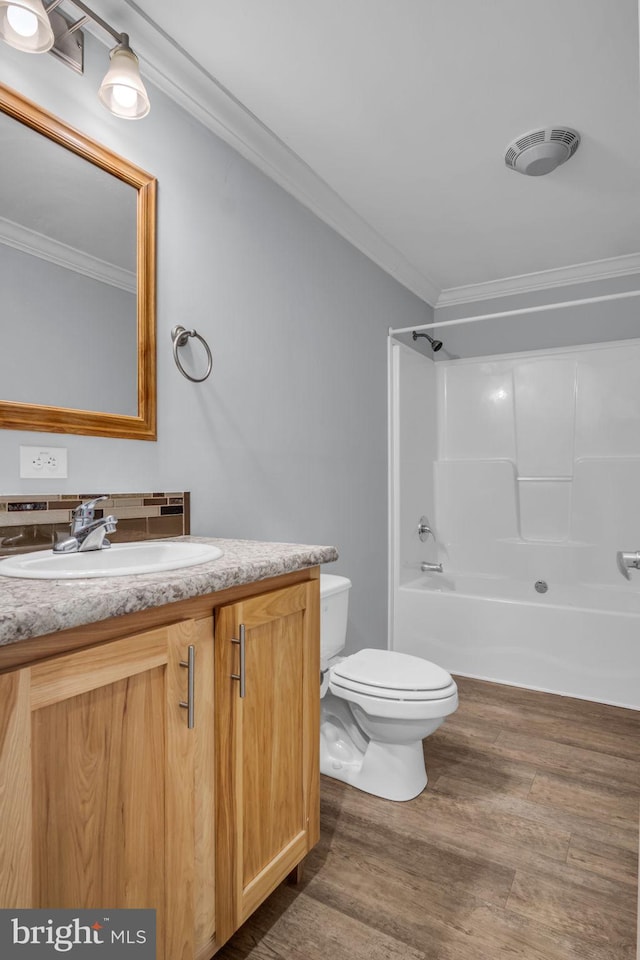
{"x":404,"y":109}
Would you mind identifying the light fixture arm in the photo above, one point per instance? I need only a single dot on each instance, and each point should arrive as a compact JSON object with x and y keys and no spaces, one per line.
{"x":71,"y":29}
{"x":90,"y":15}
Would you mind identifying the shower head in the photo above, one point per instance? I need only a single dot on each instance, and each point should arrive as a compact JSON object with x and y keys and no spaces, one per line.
{"x":435,"y":344}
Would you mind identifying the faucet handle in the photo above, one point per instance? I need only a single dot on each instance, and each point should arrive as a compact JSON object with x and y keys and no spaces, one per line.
{"x":84,"y":514}
{"x":86,"y":510}
{"x":424,"y":530}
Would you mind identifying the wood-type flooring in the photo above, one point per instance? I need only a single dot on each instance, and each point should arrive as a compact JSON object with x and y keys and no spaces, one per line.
{"x":524,"y":846}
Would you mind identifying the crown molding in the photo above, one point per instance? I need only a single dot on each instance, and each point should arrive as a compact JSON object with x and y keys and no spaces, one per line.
{"x":174,"y":72}
{"x":543,"y":280}
{"x":38,"y":245}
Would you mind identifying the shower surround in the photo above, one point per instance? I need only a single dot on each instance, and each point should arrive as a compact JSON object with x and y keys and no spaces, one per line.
{"x":531,"y":477}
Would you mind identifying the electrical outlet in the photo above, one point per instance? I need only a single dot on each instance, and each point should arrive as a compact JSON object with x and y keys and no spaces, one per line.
{"x":43,"y":463}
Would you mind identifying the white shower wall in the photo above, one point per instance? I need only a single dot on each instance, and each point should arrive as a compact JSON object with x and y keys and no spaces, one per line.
{"x":533,"y":474}
{"x":538,"y":463}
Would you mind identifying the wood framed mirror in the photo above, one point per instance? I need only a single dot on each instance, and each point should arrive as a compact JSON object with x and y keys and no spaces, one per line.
{"x":77,"y":275}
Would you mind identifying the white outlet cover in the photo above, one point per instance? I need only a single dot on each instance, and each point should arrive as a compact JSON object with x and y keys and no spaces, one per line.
{"x":43,"y":463}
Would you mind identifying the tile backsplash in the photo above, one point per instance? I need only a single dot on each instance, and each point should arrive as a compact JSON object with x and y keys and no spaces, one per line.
{"x":29,"y":522}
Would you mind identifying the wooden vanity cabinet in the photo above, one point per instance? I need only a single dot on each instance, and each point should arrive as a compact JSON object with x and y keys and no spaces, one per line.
{"x":109,"y":799}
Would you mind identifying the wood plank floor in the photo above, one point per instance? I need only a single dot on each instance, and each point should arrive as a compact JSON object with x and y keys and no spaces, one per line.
{"x":524,"y":846}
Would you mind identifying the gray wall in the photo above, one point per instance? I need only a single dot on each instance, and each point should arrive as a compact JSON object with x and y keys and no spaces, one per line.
{"x":288,"y":438}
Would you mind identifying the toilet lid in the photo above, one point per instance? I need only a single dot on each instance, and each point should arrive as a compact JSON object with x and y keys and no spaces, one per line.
{"x":386,"y":670}
{"x":338,"y":686}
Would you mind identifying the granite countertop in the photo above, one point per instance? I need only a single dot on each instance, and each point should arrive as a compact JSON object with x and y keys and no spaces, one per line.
{"x":32,"y":608}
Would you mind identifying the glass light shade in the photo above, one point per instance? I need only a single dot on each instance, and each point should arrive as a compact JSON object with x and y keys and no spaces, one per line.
{"x":24,"y":24}
{"x":122,"y":90}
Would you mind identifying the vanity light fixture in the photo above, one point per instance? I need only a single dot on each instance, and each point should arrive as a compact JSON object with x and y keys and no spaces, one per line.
{"x":29,"y":26}
{"x":122,"y":90}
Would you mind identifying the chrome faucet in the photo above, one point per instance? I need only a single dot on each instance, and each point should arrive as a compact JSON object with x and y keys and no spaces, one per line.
{"x":626,"y":561}
{"x":86,"y":533}
{"x":427,"y":567}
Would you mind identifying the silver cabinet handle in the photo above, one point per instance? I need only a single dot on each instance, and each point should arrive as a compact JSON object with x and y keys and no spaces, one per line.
{"x":189,"y":703}
{"x":242,"y":675}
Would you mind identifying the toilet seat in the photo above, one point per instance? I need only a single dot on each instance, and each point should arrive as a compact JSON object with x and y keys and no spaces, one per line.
{"x":392,"y":684}
{"x":392,"y":675}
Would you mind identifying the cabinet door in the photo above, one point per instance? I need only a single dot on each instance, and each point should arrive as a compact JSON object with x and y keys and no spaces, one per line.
{"x":267,"y":744}
{"x":97,"y":766}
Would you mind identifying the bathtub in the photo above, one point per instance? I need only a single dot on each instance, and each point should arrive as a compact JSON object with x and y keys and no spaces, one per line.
{"x":577,"y":640}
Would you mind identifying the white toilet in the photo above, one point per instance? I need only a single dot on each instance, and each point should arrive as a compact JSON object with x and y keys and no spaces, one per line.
{"x":377,"y":707}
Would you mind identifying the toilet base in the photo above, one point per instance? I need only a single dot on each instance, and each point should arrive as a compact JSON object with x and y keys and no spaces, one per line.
{"x":388,"y":770}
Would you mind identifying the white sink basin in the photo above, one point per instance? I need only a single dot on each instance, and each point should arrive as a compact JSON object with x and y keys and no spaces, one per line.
{"x":120,"y":560}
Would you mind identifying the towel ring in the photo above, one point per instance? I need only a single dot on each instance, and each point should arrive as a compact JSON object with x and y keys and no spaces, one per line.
{"x":180,"y":337}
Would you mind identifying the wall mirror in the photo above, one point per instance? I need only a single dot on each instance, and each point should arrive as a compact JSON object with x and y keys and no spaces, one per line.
{"x":77,"y":275}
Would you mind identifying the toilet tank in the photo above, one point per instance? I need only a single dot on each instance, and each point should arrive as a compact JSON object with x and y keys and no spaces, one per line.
{"x":334,"y":608}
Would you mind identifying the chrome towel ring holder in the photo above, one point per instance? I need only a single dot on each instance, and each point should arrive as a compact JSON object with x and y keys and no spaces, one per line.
{"x":180,"y":337}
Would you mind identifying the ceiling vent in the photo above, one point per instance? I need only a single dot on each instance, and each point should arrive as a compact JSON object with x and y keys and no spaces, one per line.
{"x":541,"y":151}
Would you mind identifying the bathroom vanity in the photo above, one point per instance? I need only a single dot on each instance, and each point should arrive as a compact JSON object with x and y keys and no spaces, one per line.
{"x":166,"y":755}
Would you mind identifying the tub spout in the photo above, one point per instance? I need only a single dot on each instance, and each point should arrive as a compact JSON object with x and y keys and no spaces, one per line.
{"x":626,"y":561}
{"x":427,"y":567}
